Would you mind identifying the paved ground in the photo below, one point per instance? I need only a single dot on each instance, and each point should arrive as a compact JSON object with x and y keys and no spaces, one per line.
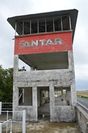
{"x":83,"y":101}
{"x":47,"y":127}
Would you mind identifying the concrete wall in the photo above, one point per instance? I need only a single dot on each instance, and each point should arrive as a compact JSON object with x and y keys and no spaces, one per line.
{"x":63,"y":77}
{"x":65,"y":113}
{"x":30,"y":110}
{"x":46,"y":78}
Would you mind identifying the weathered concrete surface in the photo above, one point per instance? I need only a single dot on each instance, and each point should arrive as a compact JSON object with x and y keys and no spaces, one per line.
{"x":46,"y":78}
{"x":65,"y":113}
{"x":50,"y":78}
{"x":61,"y":76}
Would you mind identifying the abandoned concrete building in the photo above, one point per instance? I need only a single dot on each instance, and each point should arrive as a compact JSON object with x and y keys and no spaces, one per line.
{"x":44,"y":42}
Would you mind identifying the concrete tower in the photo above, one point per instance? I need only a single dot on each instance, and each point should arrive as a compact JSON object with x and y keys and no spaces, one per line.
{"x":45,"y":42}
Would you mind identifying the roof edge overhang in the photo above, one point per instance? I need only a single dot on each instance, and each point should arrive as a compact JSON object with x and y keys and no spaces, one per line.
{"x":72,"y":12}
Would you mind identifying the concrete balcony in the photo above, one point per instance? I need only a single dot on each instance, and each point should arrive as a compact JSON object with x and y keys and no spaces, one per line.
{"x":62,"y":77}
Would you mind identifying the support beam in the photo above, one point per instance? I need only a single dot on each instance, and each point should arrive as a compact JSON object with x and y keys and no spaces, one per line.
{"x":52,"y":102}
{"x":34,"y":92}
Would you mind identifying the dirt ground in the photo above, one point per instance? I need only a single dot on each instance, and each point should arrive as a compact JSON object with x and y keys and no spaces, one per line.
{"x":47,"y":127}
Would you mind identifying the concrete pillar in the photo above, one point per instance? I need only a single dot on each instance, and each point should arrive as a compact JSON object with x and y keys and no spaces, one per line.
{"x":73,"y":95}
{"x":71,"y":68}
{"x":70,"y":60}
{"x":34,"y":99}
{"x":15,"y":98}
{"x":16,"y":61}
{"x":15,"y":88}
{"x":52,"y":103}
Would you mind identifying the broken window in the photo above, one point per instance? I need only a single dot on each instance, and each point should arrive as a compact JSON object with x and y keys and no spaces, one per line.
{"x":25,"y":96}
{"x":62,"y":96}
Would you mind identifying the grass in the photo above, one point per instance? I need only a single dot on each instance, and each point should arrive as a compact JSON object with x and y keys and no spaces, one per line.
{"x":83,"y":94}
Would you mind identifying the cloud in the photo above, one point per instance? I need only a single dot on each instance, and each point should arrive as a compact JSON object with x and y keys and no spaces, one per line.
{"x":20,"y":7}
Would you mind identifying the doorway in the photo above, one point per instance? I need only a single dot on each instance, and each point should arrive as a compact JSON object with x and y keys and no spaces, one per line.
{"x":43,"y":103}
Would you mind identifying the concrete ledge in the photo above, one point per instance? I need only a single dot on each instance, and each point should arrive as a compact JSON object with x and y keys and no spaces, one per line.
{"x":63,"y":76}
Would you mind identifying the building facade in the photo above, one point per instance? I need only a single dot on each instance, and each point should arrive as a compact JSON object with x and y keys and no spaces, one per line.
{"x":45,"y":43}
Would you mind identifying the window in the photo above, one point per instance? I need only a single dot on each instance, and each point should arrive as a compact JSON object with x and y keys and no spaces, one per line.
{"x":49,"y":24}
{"x":34,"y":26}
{"x":57,"y":24}
{"x":20,"y":27}
{"x":62,"y":96}
{"x":27,"y":27}
{"x":42,"y":25}
{"x":25,"y":96}
{"x":65,"y":21}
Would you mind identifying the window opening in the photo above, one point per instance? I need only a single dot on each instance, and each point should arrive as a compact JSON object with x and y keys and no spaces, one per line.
{"x":57,"y":24}
{"x":49,"y":24}
{"x":62,"y":96}
{"x":34,"y":26}
{"x":65,"y":21}
{"x":25,"y":96}
{"x":20,"y":27}
{"x":42,"y":25}
{"x":27,"y":27}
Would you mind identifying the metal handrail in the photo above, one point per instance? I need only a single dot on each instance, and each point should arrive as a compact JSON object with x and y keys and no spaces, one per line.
{"x":83,"y":106}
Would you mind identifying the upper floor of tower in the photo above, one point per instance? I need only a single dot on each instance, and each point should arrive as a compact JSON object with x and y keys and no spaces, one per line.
{"x":43,"y":40}
{"x":42,"y":23}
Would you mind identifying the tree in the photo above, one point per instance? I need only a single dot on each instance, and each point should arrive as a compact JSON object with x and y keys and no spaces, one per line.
{"x":6,"y":84}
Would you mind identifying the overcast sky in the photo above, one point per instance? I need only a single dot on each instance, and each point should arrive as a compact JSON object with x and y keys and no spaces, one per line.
{"x":9,"y":8}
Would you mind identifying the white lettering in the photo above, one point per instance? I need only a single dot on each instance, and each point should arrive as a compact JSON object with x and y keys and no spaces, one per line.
{"x":49,"y":42}
{"x":42,"y":42}
{"x":56,"y":41}
{"x":34,"y":43}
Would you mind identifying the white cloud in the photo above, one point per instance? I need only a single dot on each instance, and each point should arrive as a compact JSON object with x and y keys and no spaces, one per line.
{"x":81,"y":71}
{"x":19,"y":7}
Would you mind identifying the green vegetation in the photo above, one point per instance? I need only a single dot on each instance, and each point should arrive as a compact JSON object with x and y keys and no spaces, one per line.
{"x":6,"y":84}
{"x":83,"y":94}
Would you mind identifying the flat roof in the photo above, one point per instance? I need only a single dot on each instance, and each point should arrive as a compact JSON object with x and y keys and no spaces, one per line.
{"x":72,"y":13}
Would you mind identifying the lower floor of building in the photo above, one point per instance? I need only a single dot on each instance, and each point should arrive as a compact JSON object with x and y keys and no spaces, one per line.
{"x":45,"y":102}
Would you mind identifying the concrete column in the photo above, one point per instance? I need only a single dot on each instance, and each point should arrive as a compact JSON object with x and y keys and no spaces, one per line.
{"x":15,"y":99}
{"x":71,"y":68}
{"x":34,"y":99}
{"x":52,"y":103}
{"x":73,"y":95}
{"x":16,"y":60}
{"x":15,"y":96}
{"x":15,"y":88}
{"x":70,"y":60}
